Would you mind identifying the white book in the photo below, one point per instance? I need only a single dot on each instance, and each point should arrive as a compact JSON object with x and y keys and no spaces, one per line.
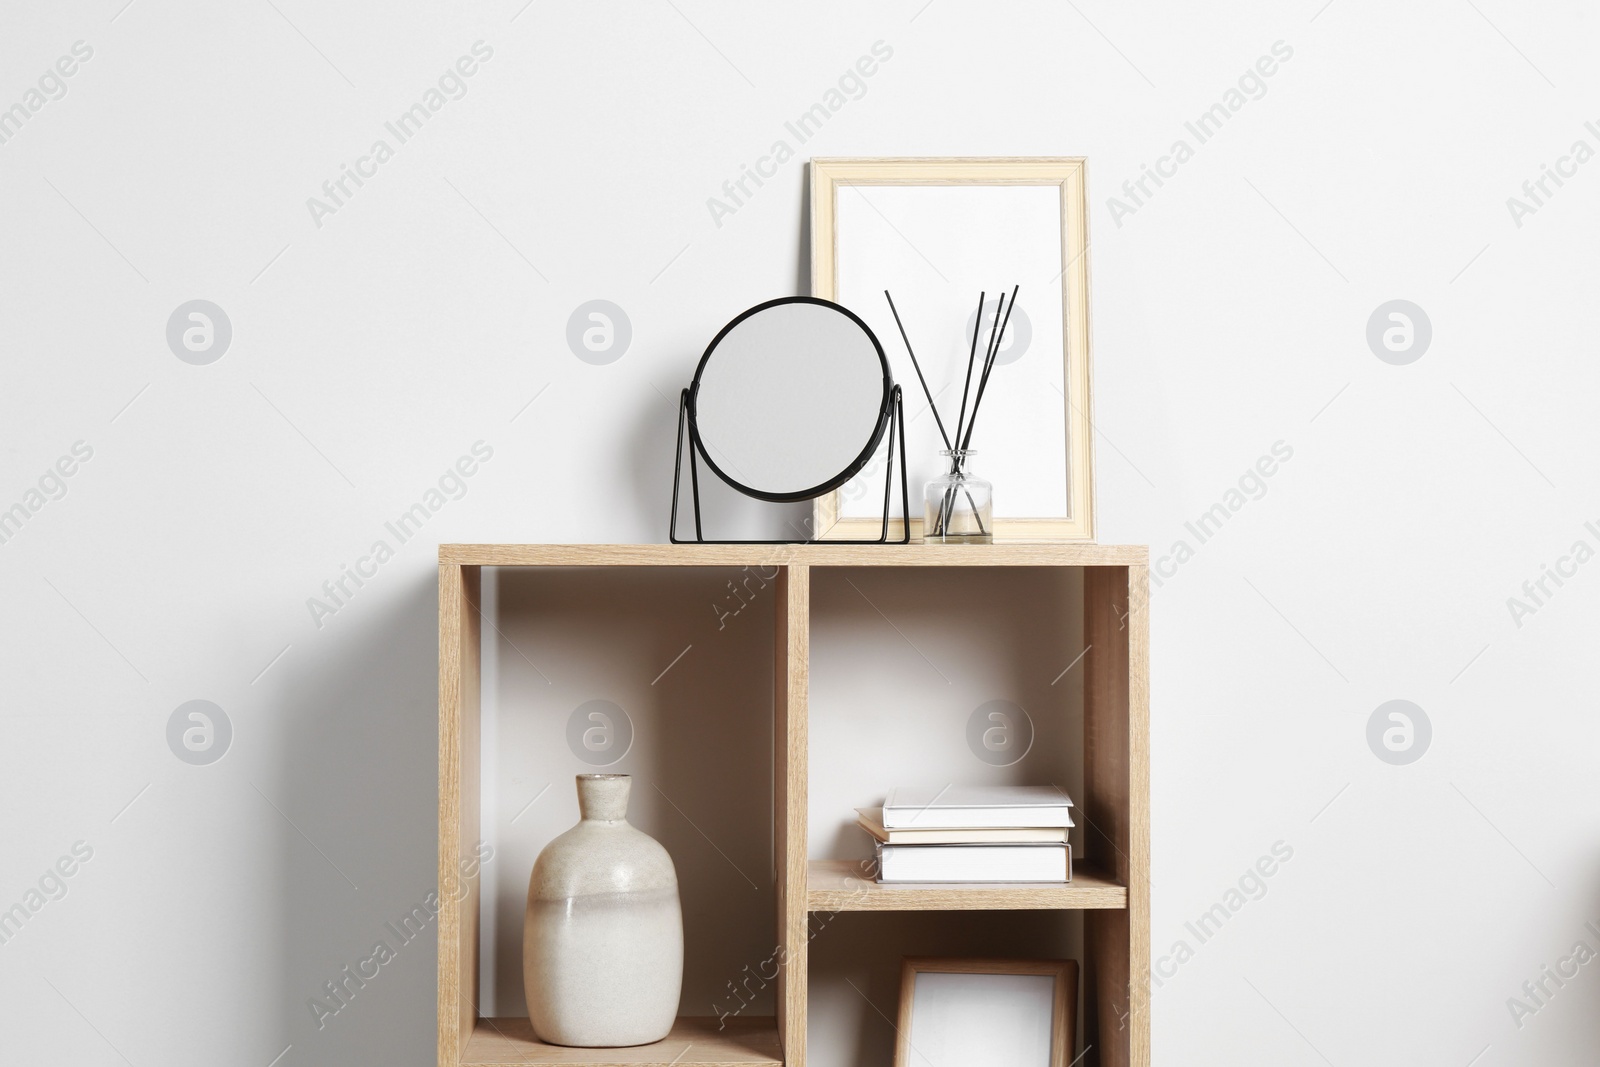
{"x":974,"y":863}
{"x":976,"y":807}
{"x":871,"y":820}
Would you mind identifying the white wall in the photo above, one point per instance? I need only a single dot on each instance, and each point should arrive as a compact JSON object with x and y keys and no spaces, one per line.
{"x":370,"y":352}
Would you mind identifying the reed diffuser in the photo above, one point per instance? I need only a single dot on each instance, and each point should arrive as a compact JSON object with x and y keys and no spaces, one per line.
{"x":959,"y":505}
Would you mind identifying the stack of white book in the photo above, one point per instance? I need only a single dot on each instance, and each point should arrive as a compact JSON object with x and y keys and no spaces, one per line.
{"x":1005,"y":833}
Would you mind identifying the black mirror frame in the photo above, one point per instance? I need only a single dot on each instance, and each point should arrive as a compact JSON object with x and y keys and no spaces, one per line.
{"x":891,"y":420}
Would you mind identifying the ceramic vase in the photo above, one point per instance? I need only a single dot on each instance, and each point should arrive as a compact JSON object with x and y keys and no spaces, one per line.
{"x":602,"y":939}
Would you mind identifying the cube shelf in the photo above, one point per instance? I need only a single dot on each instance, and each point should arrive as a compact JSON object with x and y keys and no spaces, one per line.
{"x":1110,"y":886}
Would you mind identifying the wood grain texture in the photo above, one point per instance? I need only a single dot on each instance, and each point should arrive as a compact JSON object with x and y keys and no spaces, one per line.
{"x":791,"y":682}
{"x":1016,"y":553}
{"x":1107,"y":1020}
{"x":1116,"y":809}
{"x":1105,"y":719}
{"x":1064,"y":1005}
{"x":693,"y":1042}
{"x":1138,"y":915}
{"x":459,"y":805}
{"x":842,"y":885}
{"x":948,"y":170}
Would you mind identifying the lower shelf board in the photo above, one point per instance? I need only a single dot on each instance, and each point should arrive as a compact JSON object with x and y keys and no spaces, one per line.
{"x":843,"y":885}
{"x":693,"y":1042}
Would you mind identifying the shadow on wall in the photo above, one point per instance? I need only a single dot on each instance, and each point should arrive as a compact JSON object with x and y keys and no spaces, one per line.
{"x":356,"y":784}
{"x":725,"y":513}
{"x":357,"y":781}
{"x":355,"y":861}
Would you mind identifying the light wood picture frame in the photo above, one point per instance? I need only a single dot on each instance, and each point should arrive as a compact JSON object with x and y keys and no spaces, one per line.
{"x":986,"y":1012}
{"x":929,"y":230}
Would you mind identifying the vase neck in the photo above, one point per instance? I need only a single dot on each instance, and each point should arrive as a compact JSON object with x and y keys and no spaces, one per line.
{"x":957,"y":458}
{"x":603,"y":797}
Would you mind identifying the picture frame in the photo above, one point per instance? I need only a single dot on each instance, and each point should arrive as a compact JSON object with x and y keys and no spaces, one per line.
{"x":986,"y":1012}
{"x":935,"y":232}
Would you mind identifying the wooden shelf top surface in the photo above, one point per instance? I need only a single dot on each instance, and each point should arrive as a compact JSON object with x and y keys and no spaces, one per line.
{"x":693,"y":1042}
{"x":839,"y":885}
{"x":820,"y":554}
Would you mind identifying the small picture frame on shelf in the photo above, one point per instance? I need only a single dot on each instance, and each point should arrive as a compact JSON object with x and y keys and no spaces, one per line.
{"x":986,"y":1012}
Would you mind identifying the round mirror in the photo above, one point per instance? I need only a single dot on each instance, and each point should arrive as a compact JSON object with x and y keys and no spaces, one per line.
{"x":790,"y":399}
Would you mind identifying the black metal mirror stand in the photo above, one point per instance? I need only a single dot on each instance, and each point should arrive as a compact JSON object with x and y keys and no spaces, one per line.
{"x":897,"y":429}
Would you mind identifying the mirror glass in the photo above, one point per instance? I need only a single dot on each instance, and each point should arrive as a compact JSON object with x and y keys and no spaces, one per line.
{"x":791,"y":399}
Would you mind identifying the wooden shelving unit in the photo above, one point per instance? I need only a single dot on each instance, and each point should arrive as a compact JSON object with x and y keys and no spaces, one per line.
{"x":1110,"y":884}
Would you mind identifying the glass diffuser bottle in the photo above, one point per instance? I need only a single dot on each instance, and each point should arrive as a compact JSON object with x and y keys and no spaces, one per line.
{"x":958,"y":506}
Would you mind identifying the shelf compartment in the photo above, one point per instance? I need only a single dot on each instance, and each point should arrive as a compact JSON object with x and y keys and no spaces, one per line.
{"x":840,"y":885}
{"x":693,"y":1042}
